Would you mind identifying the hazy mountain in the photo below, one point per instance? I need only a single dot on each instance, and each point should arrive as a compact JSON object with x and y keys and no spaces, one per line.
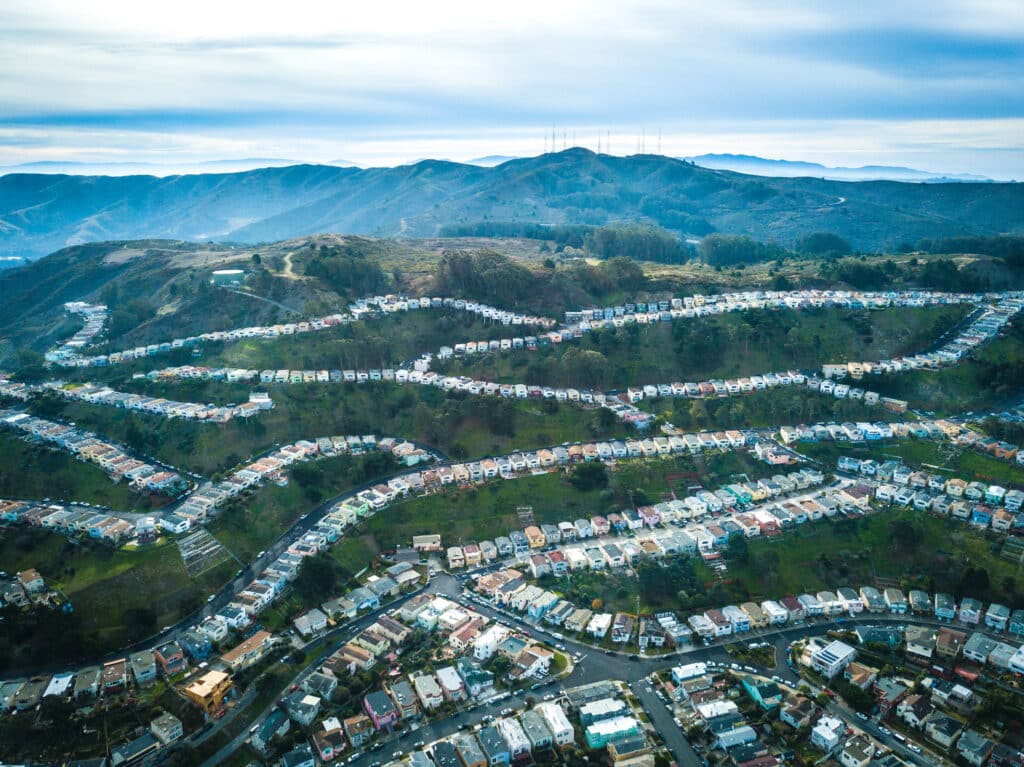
{"x":71,"y":167}
{"x":40,"y":213}
{"x":491,"y":160}
{"x":759,"y":166}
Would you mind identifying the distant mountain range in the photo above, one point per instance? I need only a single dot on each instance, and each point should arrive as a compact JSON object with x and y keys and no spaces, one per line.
{"x":491,"y":160}
{"x":759,"y":166}
{"x":40,"y":213}
{"x":69,"y":167}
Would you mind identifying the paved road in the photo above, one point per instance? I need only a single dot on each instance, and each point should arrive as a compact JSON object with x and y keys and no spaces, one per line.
{"x":662,"y":719}
{"x":593,"y":666}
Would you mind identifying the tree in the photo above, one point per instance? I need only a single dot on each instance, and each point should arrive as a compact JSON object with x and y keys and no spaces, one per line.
{"x":823,"y":244}
{"x":316,"y":579}
{"x":733,"y":249}
{"x":737,"y":549}
{"x":139,"y":622}
{"x":905,"y":536}
{"x":588,"y":476}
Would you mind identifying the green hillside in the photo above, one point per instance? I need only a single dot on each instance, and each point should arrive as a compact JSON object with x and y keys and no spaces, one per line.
{"x":41,"y":213}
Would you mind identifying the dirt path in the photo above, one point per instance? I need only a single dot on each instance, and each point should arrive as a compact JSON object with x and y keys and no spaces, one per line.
{"x":289,"y":267}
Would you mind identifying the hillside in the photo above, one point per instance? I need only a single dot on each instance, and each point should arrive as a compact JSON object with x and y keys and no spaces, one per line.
{"x":40,"y":213}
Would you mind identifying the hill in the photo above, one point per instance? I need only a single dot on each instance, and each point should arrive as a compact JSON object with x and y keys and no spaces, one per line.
{"x":40,"y":213}
{"x":760,"y":166}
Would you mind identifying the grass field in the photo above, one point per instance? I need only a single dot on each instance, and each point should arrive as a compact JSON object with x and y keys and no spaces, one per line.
{"x":374,"y":343}
{"x":940,"y":457}
{"x":102,"y":583}
{"x":35,"y":472}
{"x":721,"y":346}
{"x":827,"y":555}
{"x":459,"y":426}
{"x":250,"y":525}
{"x":490,"y":510}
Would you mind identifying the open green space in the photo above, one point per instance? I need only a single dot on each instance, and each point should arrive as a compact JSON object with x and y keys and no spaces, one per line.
{"x":940,"y":457}
{"x":34,"y":472}
{"x":118,"y":596}
{"x":905,"y":548}
{"x":459,"y":425}
{"x":374,"y":343}
{"x":251,"y":523}
{"x":901,"y":548}
{"x":744,"y":343}
{"x":490,"y":510}
{"x":991,"y":378}
{"x":767,"y":408}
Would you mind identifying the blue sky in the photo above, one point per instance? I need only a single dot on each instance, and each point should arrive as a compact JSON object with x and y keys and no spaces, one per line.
{"x":935,"y":85}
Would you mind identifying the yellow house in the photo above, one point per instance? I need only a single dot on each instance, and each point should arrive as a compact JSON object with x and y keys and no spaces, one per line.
{"x":535,"y":537}
{"x":208,"y":692}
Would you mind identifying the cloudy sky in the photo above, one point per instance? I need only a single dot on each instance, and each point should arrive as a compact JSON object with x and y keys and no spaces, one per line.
{"x":934,"y":84}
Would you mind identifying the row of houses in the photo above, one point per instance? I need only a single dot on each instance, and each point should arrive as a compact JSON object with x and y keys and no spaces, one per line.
{"x":711,"y":700}
{"x":72,"y":521}
{"x":996,"y":448}
{"x":535,"y":539}
{"x":205,"y":500}
{"x":99,"y":394}
{"x":982,"y":505}
{"x":69,"y":355}
{"x":143,"y":476}
{"x":95,"y":319}
{"x":25,"y":588}
{"x":981,"y":329}
{"x":534,"y":733}
{"x":721,"y":303}
{"x":510,"y":589}
{"x":169,"y":660}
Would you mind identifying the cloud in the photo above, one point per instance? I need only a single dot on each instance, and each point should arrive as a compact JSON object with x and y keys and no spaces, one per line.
{"x":302,"y":75}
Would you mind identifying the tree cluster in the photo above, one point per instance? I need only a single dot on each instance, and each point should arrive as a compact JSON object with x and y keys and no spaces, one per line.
{"x":641,"y":243}
{"x":733,"y":249}
{"x":347,"y":269}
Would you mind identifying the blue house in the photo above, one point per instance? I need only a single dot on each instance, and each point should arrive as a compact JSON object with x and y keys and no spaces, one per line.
{"x":195,"y":645}
{"x":981,"y":516}
{"x":765,"y":694}
{"x":364,"y":598}
{"x":494,"y":746}
{"x":945,"y":607}
{"x":1016,"y":624}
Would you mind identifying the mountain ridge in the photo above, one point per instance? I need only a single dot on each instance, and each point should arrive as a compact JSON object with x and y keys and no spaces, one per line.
{"x":746,"y":163}
{"x":41,"y":213}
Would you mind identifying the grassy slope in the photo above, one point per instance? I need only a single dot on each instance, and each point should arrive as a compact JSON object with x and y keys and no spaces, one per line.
{"x":784,"y":339}
{"x":34,"y":472}
{"x":828,"y":555}
{"x":102,"y":583}
{"x":490,"y":510}
{"x":470,"y":427}
{"x":936,"y":456}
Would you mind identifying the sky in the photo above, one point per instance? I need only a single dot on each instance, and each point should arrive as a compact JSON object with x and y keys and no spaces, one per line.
{"x":934,"y":85}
